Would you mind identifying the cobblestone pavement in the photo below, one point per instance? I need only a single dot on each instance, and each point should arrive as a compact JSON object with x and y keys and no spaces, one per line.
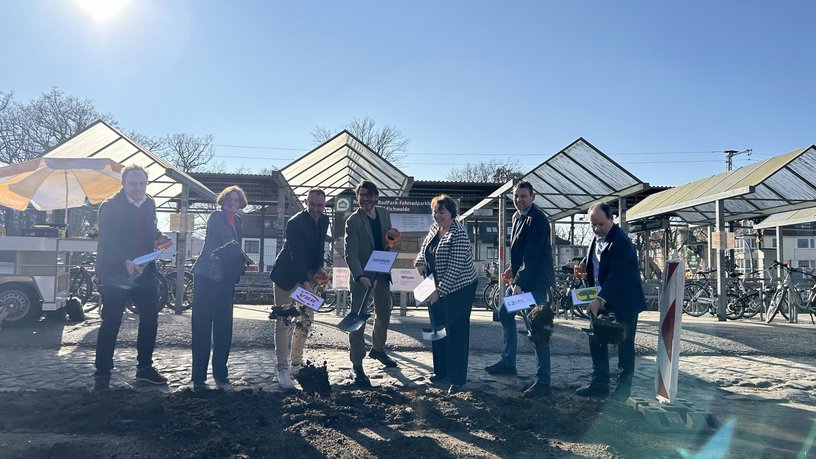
{"x":719,"y":361}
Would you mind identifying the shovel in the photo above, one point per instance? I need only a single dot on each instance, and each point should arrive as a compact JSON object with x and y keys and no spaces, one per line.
{"x":432,"y":334}
{"x":354,"y":320}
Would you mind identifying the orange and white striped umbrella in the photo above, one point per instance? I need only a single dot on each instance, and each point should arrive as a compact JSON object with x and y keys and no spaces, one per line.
{"x":59,"y":183}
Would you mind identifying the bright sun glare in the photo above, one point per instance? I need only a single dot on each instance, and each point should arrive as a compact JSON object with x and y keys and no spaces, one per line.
{"x":100,"y":10}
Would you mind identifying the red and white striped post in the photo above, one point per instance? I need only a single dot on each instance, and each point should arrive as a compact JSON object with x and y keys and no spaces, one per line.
{"x":668,"y":342}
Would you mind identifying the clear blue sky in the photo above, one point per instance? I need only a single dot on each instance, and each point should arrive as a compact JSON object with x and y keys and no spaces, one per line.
{"x":465,"y":80}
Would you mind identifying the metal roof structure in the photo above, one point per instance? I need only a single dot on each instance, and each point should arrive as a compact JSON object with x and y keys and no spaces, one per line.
{"x":782,"y":183}
{"x":342,"y":162}
{"x":100,"y":140}
{"x":570,"y":181}
{"x":468,"y":193}
{"x":260,"y":189}
{"x":790,"y":218}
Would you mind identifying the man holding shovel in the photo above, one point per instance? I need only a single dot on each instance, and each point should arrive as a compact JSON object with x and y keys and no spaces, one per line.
{"x":366,"y":231}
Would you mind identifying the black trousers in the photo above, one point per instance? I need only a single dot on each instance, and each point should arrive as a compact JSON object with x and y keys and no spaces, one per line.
{"x":450,"y":354}
{"x":212,"y":326}
{"x":145,"y":296}
{"x":626,"y":354}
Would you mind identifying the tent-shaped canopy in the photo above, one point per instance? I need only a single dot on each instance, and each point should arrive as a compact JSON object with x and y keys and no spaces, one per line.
{"x":790,"y":218}
{"x":570,"y":181}
{"x":341,"y":163}
{"x":782,"y":183}
{"x":100,"y":140}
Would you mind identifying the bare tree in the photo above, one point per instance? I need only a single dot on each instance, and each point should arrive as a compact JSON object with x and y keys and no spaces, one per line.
{"x":185,"y":151}
{"x":387,"y":141}
{"x":487,"y":171}
{"x":30,"y":129}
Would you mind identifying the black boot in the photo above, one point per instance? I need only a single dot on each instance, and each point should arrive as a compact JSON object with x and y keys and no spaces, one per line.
{"x":360,"y":378}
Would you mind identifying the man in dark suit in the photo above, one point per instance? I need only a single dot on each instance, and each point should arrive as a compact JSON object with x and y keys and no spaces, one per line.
{"x":611,"y":263}
{"x":531,"y":270}
{"x":127,"y":230}
{"x":297,"y":265}
{"x":366,"y":230}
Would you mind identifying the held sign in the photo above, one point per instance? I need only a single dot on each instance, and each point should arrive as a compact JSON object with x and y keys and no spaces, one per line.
{"x":424,"y":290}
{"x":380,"y":261}
{"x":307,"y":298}
{"x":518,"y":302}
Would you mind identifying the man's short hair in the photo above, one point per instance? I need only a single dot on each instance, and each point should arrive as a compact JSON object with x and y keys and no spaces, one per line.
{"x":605,"y":208}
{"x":224,"y":195}
{"x":133,"y":167}
{"x":525,"y":184}
{"x":369,"y":186}
{"x":315,"y":191}
{"x":447,"y":202}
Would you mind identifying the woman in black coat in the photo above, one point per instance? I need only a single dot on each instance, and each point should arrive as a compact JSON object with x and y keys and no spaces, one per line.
{"x":215,"y":273}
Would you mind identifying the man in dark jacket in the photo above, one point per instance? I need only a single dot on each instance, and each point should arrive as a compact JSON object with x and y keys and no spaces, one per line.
{"x":296,"y":266}
{"x":531,"y":270}
{"x":611,"y":263}
{"x":127,"y":230}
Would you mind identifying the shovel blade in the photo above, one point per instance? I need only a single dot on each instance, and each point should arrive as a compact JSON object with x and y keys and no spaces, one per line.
{"x":353,"y":322}
{"x":431,"y":335}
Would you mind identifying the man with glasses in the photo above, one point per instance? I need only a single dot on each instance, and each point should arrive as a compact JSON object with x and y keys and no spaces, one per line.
{"x":299,"y":264}
{"x":127,"y":230}
{"x":612,"y":264}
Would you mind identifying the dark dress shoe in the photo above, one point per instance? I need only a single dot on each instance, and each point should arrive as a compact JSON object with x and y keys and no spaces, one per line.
{"x":538,"y":390}
{"x":199,"y":388}
{"x":436,"y":379}
{"x":501,"y":368}
{"x":455,"y":389}
{"x":592,"y":390}
{"x":101,"y":383}
{"x":360,"y":378}
{"x":622,"y":392}
{"x":383,"y":358}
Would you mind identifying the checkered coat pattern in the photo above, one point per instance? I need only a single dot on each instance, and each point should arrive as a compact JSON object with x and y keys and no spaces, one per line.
{"x":454,"y":259}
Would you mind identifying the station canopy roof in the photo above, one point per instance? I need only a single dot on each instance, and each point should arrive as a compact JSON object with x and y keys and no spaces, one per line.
{"x":260,"y":189}
{"x":779,"y":184}
{"x":790,"y":218}
{"x":100,"y":140}
{"x":570,"y":181}
{"x":341,"y":163}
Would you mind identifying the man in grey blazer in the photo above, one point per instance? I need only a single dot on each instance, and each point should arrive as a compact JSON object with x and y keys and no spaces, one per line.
{"x":366,"y":230}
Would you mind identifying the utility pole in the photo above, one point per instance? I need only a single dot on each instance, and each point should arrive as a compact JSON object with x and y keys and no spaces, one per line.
{"x":729,"y":157}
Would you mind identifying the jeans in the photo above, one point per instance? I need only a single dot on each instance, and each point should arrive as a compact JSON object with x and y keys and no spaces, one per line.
{"x":382,"y":318}
{"x":145,"y":296}
{"x":626,"y":355}
{"x":212,"y":325}
{"x":510,"y":339}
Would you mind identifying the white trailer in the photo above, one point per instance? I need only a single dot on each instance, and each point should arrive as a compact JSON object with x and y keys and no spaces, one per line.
{"x":35,"y":275}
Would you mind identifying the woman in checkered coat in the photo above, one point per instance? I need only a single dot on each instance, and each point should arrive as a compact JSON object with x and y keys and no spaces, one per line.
{"x":447,"y":254}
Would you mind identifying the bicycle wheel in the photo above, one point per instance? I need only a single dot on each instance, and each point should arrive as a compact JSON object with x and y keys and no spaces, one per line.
{"x":329,"y":298}
{"x":776,"y":304}
{"x":161,"y":287}
{"x":751,"y":305}
{"x":696,"y":300}
{"x":488,"y":294}
{"x":734,"y":308}
{"x":81,"y":284}
{"x":171,"y":290}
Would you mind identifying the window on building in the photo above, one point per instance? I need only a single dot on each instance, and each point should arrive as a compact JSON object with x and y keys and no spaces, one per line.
{"x":805,"y":243}
{"x":492,"y":253}
{"x":252,"y":246}
{"x":773,"y":242}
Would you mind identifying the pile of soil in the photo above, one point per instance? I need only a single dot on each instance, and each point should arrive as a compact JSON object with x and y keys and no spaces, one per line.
{"x":423,"y":422}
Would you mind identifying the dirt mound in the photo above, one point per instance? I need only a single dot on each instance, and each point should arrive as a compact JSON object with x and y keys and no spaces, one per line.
{"x":347,"y":423}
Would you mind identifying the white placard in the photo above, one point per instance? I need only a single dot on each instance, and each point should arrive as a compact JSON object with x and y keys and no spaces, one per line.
{"x":412,"y":223}
{"x":404,"y":279}
{"x":307,"y":298}
{"x":147,"y":258}
{"x":518,"y":302}
{"x":380,"y":261}
{"x":425,"y":289}
{"x":340,"y":278}
{"x":585,"y":295}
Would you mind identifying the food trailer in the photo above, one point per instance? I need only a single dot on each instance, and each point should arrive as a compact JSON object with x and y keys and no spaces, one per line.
{"x":35,"y":275}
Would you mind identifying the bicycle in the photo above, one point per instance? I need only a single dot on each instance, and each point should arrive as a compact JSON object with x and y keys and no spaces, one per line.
{"x":700,"y":298}
{"x":788,"y":296}
{"x":491,"y":292}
